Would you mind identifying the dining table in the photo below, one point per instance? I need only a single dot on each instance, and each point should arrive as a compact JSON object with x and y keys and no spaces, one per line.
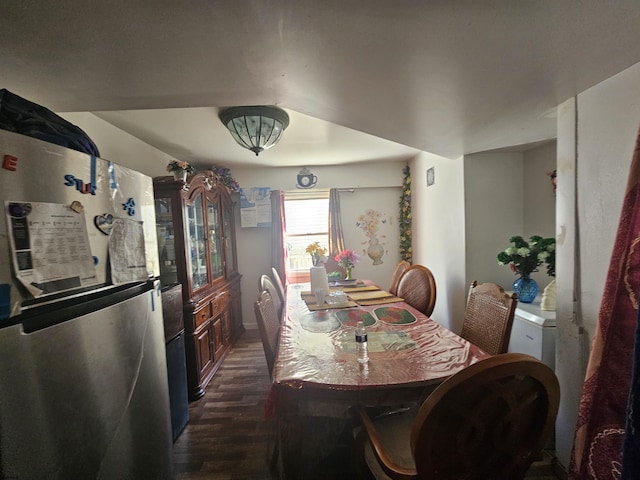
{"x":317,"y":378}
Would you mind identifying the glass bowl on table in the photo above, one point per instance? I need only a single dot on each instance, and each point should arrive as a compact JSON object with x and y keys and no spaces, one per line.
{"x":336,"y":298}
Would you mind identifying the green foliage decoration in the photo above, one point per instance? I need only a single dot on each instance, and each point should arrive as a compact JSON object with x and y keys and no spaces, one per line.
{"x":406,"y":252}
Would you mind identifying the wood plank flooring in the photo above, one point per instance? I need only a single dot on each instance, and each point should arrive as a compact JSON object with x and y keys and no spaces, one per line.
{"x":227,"y":437}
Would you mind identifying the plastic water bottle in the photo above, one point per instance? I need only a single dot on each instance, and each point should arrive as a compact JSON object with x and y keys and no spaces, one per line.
{"x":362,"y":352}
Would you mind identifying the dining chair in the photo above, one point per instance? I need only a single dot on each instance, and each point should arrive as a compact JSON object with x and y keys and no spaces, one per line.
{"x":417,"y":287}
{"x":489,"y":421}
{"x":268,"y":325}
{"x":489,"y":317}
{"x":278,"y":283}
{"x":267,"y":284}
{"x":395,"y":276}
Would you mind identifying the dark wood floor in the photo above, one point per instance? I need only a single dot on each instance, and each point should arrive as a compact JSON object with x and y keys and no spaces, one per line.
{"x":227,"y":437}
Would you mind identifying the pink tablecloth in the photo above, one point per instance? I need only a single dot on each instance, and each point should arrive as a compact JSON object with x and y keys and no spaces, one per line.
{"x":323,"y":358}
{"x":317,"y":378}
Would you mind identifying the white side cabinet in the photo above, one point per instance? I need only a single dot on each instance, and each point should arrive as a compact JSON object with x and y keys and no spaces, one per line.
{"x":534,"y":332}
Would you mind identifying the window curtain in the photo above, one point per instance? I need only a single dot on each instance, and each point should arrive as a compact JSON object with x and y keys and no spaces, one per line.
{"x":278,"y":226}
{"x":336,"y":235}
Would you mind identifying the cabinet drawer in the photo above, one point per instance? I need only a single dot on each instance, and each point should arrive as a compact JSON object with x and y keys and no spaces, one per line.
{"x":202,"y":315}
{"x":219,"y":304}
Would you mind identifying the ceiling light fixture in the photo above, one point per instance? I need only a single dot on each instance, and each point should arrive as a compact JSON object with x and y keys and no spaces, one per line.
{"x":256,"y":127}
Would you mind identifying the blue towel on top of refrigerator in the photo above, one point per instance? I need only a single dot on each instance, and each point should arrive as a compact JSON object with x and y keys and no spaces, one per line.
{"x":27,"y":118}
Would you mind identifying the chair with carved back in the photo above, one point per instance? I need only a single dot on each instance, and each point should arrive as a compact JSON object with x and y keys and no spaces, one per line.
{"x":417,"y":287}
{"x":267,"y":284}
{"x":489,"y":317}
{"x":268,"y":326}
{"x":489,"y":421}
{"x":395,"y":277}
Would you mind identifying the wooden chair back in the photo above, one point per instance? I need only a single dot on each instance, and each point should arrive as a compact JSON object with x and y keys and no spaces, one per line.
{"x":417,"y":287}
{"x":278,"y":283}
{"x":489,"y":317}
{"x":267,"y":284}
{"x":395,"y":276}
{"x":269,"y":327}
{"x":489,"y":421}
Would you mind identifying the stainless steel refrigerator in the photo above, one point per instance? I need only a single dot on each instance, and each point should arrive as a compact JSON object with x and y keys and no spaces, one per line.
{"x":83,"y":377}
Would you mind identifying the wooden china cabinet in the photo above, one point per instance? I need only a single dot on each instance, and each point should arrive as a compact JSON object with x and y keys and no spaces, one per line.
{"x":197,"y":248}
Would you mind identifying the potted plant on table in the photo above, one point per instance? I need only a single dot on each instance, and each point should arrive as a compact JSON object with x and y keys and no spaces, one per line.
{"x":318,"y":254}
{"x":347,"y":259}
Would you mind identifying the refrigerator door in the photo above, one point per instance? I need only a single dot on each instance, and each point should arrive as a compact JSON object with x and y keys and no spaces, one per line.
{"x":86,"y":396}
{"x":34,"y":171}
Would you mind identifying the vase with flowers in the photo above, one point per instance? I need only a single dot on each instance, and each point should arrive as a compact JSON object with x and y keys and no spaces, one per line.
{"x":524,"y":258}
{"x":347,"y":259}
{"x":180,"y":169}
{"x":318,"y":254}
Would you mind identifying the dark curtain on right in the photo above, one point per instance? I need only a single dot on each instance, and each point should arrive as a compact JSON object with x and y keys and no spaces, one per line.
{"x":602,"y":416}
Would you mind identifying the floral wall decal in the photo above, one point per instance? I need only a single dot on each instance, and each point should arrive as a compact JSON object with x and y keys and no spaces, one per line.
{"x":370,"y":223}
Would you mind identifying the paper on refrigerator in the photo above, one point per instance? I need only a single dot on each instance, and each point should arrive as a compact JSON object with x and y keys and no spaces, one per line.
{"x":49,"y":247}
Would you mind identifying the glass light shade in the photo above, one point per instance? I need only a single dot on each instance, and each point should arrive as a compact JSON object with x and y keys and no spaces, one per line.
{"x":256,"y":128}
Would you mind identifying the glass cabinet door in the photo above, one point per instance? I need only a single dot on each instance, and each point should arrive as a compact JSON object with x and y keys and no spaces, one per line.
{"x":215,"y":240}
{"x":166,"y":241}
{"x":227,"y":218}
{"x":196,"y":247}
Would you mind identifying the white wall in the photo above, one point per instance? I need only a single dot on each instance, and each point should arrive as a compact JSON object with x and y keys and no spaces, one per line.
{"x":539,"y":199}
{"x":595,"y":157}
{"x":506,"y":194}
{"x":494,"y":212}
{"x":439,"y":232}
{"x":121,"y":147}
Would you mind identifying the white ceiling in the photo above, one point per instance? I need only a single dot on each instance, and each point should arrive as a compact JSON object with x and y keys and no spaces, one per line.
{"x":449,"y":77}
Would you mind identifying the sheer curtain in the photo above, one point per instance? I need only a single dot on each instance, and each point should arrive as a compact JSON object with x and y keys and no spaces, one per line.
{"x":278,"y":248}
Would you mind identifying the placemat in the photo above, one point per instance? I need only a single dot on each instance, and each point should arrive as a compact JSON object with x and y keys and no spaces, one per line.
{"x":320,"y":322}
{"x":380,"y":301}
{"x":357,"y":289}
{"x":365,"y":288}
{"x":344,"y":283}
{"x":369,"y":295}
{"x":394,"y":315}
{"x":350,"y":318}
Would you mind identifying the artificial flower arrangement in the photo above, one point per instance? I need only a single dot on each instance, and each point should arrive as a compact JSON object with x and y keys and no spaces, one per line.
{"x":318,"y":254}
{"x":405,"y":216}
{"x":347,"y":259}
{"x":179,"y":166}
{"x":525,"y":257}
{"x":553,"y":176}
{"x":224,"y":174}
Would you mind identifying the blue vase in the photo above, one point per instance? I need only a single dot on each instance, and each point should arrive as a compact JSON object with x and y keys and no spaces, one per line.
{"x":526,"y":288}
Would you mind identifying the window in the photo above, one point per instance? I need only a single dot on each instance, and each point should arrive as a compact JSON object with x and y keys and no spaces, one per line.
{"x":307,"y":221}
